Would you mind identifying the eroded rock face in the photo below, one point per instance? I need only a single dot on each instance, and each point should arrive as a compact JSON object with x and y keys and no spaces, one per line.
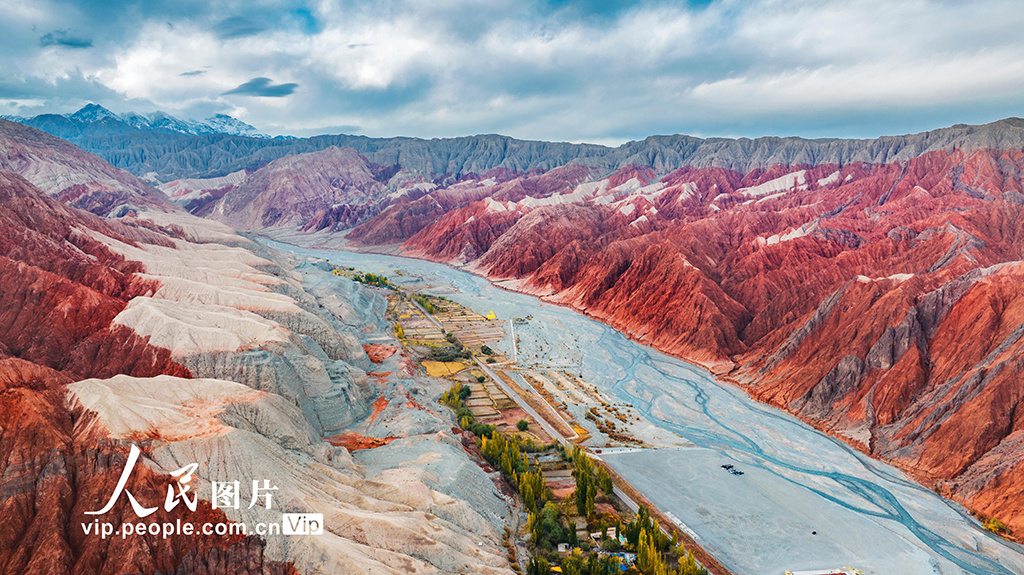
{"x":110,"y":333}
{"x":74,"y":176}
{"x":293,"y":190}
{"x":385,"y":521}
{"x":881,"y":301}
{"x":61,"y":289}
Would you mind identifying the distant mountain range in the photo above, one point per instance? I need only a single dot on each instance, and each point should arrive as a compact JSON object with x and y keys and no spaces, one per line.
{"x":95,"y":120}
{"x":164,"y":153}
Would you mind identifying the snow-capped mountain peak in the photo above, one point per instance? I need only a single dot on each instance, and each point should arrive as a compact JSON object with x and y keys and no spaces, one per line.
{"x":92,"y":113}
{"x":224,"y":124}
{"x":158,"y":121}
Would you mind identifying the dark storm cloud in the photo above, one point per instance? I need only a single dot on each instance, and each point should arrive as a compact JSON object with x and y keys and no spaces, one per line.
{"x":65,"y":39}
{"x":193,"y":73}
{"x":263,"y":88}
{"x":237,"y":27}
{"x":71,"y":86}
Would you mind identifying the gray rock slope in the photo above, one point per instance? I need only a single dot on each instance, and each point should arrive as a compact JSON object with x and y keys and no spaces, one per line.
{"x":172,"y":156}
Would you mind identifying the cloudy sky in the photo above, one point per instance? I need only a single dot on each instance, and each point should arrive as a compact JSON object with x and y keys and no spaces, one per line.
{"x":590,"y":70}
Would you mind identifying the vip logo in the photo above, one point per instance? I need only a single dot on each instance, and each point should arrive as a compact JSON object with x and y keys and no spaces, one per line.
{"x":302,"y":523}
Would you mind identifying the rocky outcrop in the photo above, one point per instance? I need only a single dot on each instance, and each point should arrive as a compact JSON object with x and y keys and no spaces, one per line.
{"x":221,"y":319}
{"x":294,"y":190}
{"x":61,"y":289}
{"x":381,"y":525}
{"x":72,"y":175}
{"x":198,"y":195}
{"x":56,"y":323}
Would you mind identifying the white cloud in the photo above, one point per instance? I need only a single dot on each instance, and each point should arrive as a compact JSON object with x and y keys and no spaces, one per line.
{"x":891,"y":83}
{"x":375,"y":54}
{"x":439,"y":69}
{"x":24,"y":11}
{"x":14,"y":107}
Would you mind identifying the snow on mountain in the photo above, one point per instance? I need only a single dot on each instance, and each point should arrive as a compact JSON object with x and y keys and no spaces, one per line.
{"x":217,"y":124}
{"x":224,"y":124}
{"x":91,"y":114}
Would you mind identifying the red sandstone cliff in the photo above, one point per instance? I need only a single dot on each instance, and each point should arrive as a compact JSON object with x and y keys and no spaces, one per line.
{"x":60,"y":290}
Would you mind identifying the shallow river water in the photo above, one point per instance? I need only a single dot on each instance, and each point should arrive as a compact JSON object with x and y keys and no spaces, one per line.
{"x":805,"y":500}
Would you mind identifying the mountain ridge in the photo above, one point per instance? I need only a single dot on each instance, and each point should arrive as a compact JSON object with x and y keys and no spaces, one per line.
{"x":173,"y":156}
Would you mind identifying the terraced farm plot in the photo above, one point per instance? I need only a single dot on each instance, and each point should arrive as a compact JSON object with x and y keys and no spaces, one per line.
{"x":471,"y":328}
{"x":482,"y":410}
{"x":488,"y":401}
{"x":560,"y":481}
{"x":501,"y":401}
{"x":491,"y":406}
{"x":543,"y":407}
{"x":443,"y":368}
{"x":416,"y":327}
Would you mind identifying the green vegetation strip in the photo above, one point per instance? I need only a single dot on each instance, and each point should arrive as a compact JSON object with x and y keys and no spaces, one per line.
{"x":552,"y":521}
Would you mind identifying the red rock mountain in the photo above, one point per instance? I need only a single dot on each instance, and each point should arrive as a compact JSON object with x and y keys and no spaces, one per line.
{"x":870,"y":286}
{"x":70,"y":174}
{"x":305,"y":189}
{"x":61,"y":289}
{"x":881,"y":301}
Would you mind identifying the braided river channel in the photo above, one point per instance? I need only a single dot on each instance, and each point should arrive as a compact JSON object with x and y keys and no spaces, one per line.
{"x":805,"y":501}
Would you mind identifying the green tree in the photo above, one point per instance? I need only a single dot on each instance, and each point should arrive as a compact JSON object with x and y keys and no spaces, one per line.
{"x":538,"y":566}
{"x":591,"y":490}
{"x":688,"y":565}
{"x":522,"y":425}
{"x":425,"y":303}
{"x":531,"y":488}
{"x":585,"y":487}
{"x":605,"y":481}
{"x":646,"y":554}
{"x":503,"y":452}
{"x":546,"y":527}
{"x":994,"y":525}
